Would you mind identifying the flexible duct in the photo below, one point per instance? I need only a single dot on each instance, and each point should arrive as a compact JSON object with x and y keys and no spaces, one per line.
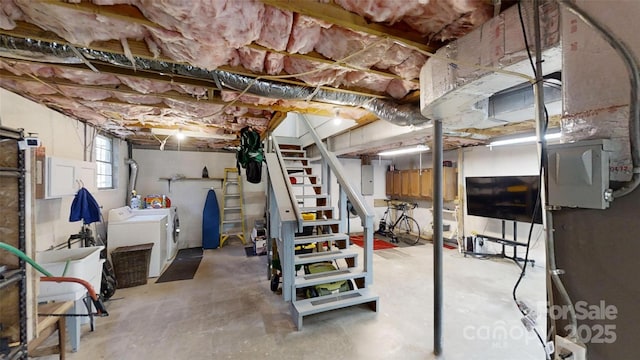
{"x":133,"y":176}
{"x":391,"y":111}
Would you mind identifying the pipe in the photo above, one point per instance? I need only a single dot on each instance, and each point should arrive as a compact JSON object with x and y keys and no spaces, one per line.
{"x":437,"y":237}
{"x":97,"y":302}
{"x":391,"y":111}
{"x":634,"y":108}
{"x":24,"y":257}
{"x":133,"y":177}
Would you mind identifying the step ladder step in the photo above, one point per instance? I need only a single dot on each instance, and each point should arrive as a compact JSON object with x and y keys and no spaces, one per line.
{"x":234,"y":221}
{"x":307,"y":239}
{"x":328,"y":277}
{"x":302,"y":308}
{"x":314,"y":257}
{"x":232,"y":208}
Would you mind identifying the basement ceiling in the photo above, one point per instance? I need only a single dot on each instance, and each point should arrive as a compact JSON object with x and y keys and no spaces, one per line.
{"x":138,"y":69}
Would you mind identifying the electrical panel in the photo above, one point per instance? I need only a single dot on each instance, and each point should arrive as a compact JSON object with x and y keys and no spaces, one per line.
{"x":578,"y":174}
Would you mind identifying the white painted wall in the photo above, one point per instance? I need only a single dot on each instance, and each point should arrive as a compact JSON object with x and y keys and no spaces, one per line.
{"x":62,"y":137}
{"x":189,"y":195}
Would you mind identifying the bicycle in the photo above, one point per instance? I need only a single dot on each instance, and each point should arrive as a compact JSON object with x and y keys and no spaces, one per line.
{"x":404,"y":228}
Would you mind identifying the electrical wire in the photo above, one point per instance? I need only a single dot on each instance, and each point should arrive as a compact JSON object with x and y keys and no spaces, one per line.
{"x":521,"y":307}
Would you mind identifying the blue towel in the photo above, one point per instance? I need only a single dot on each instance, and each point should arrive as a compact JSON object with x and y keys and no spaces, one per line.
{"x":84,"y":207}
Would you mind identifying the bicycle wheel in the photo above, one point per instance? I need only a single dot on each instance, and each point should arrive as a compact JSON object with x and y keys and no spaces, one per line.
{"x":408,"y":231}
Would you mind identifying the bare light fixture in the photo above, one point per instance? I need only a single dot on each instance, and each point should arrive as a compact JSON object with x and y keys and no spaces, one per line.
{"x":192,"y":134}
{"x":524,"y":140}
{"x":337,"y":120}
{"x":408,"y":150}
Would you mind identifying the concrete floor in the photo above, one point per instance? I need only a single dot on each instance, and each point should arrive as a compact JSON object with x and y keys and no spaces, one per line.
{"x":228,"y":312}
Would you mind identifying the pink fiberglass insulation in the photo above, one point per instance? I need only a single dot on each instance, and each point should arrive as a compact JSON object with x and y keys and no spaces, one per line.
{"x":410,"y":67}
{"x":273,"y":63}
{"x":428,"y":17}
{"x":9,"y":13}
{"x":338,"y":43}
{"x":86,"y":77}
{"x":197,"y":91}
{"x":79,"y":27}
{"x":366,"y":80}
{"x":399,"y":88}
{"x":205,"y":55}
{"x":201,"y":108}
{"x":276,"y":27}
{"x":305,"y":34}
{"x":232,"y":23}
{"x":137,"y":99}
{"x":308,"y":72}
{"x":145,"y":86}
{"x":251,"y":59}
{"x":85,"y":94}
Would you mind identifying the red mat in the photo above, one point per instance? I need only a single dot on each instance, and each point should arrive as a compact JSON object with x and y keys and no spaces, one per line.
{"x":377,"y":243}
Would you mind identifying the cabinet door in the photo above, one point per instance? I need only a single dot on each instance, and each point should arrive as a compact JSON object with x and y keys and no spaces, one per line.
{"x":404,"y":188}
{"x":450,"y":184}
{"x":389,"y":183}
{"x":414,"y":183}
{"x":397,"y":183}
{"x":61,"y":176}
{"x":426,"y":184}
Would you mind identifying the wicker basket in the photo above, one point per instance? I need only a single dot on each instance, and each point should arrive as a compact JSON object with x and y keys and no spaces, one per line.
{"x":131,"y":264}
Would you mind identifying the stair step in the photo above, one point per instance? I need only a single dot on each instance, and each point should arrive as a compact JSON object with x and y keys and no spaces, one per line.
{"x":302,"y":308}
{"x":300,"y":240}
{"x":321,"y":222}
{"x":297,"y":167}
{"x":307,"y":184}
{"x":315,"y":208}
{"x":312,"y":196}
{"x":304,"y":175}
{"x":314,"y":257}
{"x":292,"y":151}
{"x":328,"y":277}
{"x":295,"y":158}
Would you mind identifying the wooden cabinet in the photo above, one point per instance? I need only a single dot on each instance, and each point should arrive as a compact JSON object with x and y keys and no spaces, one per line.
{"x":449,"y":183}
{"x":414,"y":183}
{"x":419,"y":184}
{"x":426,"y":184}
{"x":397,"y":183}
{"x":389,"y":183}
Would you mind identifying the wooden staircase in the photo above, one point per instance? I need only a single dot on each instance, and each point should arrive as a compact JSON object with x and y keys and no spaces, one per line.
{"x":324,"y":226}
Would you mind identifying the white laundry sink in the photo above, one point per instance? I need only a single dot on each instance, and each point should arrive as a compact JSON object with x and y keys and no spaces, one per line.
{"x":83,"y":263}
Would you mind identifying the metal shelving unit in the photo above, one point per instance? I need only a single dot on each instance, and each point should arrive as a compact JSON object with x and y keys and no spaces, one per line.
{"x":13,"y":333}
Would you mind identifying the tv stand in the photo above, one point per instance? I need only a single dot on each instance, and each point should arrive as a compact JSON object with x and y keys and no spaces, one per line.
{"x":504,"y":242}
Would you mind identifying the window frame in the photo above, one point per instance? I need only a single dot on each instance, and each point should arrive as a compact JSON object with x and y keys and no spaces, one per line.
{"x":99,"y":161}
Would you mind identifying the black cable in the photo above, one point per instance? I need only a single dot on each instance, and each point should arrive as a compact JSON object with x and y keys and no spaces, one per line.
{"x":542,"y":167}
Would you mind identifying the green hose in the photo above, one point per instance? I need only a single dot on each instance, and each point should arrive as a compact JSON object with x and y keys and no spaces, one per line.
{"x":24,"y":257}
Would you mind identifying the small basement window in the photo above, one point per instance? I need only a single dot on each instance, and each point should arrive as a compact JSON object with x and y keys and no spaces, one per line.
{"x":104,"y":162}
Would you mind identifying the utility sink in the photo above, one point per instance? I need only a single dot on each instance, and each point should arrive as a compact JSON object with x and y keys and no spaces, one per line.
{"x":83,"y":263}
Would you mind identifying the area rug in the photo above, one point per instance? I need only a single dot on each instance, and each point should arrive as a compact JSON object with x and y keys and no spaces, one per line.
{"x":377,"y":243}
{"x":183,"y":267}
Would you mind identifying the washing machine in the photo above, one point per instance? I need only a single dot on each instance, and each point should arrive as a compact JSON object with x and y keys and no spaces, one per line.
{"x":125,"y":228}
{"x":173,"y":229}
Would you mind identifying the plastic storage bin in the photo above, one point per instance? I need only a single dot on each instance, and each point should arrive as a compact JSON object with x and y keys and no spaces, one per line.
{"x":131,"y":264}
{"x":82,"y":263}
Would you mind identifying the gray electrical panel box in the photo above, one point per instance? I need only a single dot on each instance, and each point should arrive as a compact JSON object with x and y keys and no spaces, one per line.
{"x":367,"y":179}
{"x":579,"y":174}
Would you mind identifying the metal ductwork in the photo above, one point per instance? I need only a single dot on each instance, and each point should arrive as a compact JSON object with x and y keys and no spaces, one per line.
{"x":393,"y":112}
{"x":133,"y":176}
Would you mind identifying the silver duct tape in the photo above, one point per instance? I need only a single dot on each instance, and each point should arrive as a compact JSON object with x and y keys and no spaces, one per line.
{"x":398,"y":114}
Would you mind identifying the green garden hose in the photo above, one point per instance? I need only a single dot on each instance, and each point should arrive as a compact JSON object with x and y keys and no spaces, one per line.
{"x":24,"y":257}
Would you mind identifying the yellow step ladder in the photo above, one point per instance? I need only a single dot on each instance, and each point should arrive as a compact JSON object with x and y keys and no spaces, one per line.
{"x":232,"y":219}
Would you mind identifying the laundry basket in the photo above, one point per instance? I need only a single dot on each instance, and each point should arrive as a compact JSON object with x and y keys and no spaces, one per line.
{"x":131,"y":264}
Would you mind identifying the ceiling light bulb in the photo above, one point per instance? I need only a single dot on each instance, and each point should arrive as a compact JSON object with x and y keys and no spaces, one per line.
{"x":180,"y":135}
{"x":336,"y":117}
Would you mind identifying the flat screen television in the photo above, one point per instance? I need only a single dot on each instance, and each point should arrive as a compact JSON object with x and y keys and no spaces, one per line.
{"x":504,"y":197}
